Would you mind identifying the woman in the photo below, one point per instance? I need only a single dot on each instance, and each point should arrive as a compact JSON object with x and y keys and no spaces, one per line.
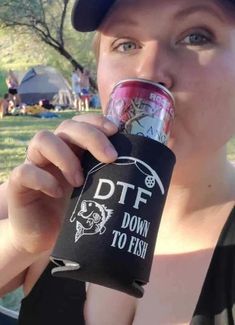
{"x":76,"y":88}
{"x":13,"y":84}
{"x":189,"y":46}
{"x":4,"y":104}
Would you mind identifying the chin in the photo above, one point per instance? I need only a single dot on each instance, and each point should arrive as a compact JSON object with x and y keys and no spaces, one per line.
{"x":172,"y":144}
{"x":183,"y":152}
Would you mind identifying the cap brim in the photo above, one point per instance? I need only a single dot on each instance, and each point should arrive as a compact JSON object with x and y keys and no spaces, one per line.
{"x":87,"y":15}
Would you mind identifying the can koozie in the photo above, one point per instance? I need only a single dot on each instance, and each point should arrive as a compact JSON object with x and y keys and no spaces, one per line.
{"x":110,"y":229}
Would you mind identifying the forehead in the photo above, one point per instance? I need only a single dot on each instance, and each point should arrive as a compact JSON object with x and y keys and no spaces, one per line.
{"x":133,"y":7}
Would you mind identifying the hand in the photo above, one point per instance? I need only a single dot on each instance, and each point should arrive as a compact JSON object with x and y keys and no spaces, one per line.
{"x":39,"y":190}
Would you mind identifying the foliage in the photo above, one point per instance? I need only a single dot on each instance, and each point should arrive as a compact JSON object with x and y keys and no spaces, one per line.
{"x":45,"y":19}
{"x":40,"y":32}
{"x":20,"y":52}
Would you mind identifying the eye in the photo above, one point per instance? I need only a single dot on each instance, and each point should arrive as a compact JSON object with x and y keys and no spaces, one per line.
{"x":125,"y":46}
{"x":197,"y":38}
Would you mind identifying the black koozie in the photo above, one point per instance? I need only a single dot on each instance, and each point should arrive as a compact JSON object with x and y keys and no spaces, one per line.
{"x":110,"y":228}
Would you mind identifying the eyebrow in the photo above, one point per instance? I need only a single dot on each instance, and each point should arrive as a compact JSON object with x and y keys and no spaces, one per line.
{"x":200,"y":8}
{"x":124,"y":21}
{"x":127,"y":21}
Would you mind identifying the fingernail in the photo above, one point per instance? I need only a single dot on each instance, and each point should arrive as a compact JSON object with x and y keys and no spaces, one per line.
{"x":111,"y":152}
{"x":110,"y":126}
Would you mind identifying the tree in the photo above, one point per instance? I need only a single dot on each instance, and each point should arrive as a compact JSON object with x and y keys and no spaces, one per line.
{"x":44,"y":18}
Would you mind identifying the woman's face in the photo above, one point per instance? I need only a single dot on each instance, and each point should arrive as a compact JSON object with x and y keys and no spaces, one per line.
{"x":187,"y":45}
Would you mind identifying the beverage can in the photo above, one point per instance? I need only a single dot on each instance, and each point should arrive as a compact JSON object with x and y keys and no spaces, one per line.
{"x":142,"y":107}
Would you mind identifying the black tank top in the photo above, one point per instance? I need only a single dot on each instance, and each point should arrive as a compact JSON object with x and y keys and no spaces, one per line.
{"x":53,"y":301}
{"x":61,"y":301}
{"x":216,"y":304}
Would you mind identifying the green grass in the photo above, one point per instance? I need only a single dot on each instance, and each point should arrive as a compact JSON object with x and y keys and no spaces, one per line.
{"x":3,"y":86}
{"x":15,"y":133}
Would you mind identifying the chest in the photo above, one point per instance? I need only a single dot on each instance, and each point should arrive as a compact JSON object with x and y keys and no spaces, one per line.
{"x":178,"y":273}
{"x":174,"y":288}
{"x":182,"y":257}
{"x":170,"y":297}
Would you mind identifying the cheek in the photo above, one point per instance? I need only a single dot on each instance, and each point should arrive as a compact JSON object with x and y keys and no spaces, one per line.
{"x":108,"y":74}
{"x":221,"y":101}
{"x":205,"y":106}
{"x":212,"y":87}
{"x":104,"y":84}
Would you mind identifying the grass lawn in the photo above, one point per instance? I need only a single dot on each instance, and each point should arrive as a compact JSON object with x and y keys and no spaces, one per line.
{"x":16,"y":131}
{"x":3,"y":86}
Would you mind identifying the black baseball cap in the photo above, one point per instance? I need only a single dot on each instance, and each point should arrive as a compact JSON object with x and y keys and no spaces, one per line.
{"x":87,"y":15}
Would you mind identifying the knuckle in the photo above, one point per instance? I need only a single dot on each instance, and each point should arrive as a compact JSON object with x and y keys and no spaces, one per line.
{"x":102,"y":120}
{"x":63,"y":125}
{"x":41,"y":136}
{"x":93,"y":119}
{"x":86,"y":117}
{"x":92,"y":131}
{"x":77,"y":118}
{"x":98,"y":140}
{"x":18,"y":173}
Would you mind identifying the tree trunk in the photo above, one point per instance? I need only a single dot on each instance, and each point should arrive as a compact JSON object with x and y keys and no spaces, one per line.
{"x":75,"y":64}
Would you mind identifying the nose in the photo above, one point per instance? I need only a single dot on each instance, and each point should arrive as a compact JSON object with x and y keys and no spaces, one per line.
{"x":155,"y":64}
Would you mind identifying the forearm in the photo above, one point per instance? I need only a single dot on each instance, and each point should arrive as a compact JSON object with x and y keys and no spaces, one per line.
{"x":13,"y":263}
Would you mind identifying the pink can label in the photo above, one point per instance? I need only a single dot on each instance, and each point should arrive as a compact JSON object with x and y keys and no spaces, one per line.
{"x":143,"y":108}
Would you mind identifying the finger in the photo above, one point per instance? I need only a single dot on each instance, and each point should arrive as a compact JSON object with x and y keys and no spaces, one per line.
{"x":47,"y":148}
{"x":30,"y":177}
{"x":36,"y":208}
{"x":88,"y":137}
{"x":99,"y":121}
